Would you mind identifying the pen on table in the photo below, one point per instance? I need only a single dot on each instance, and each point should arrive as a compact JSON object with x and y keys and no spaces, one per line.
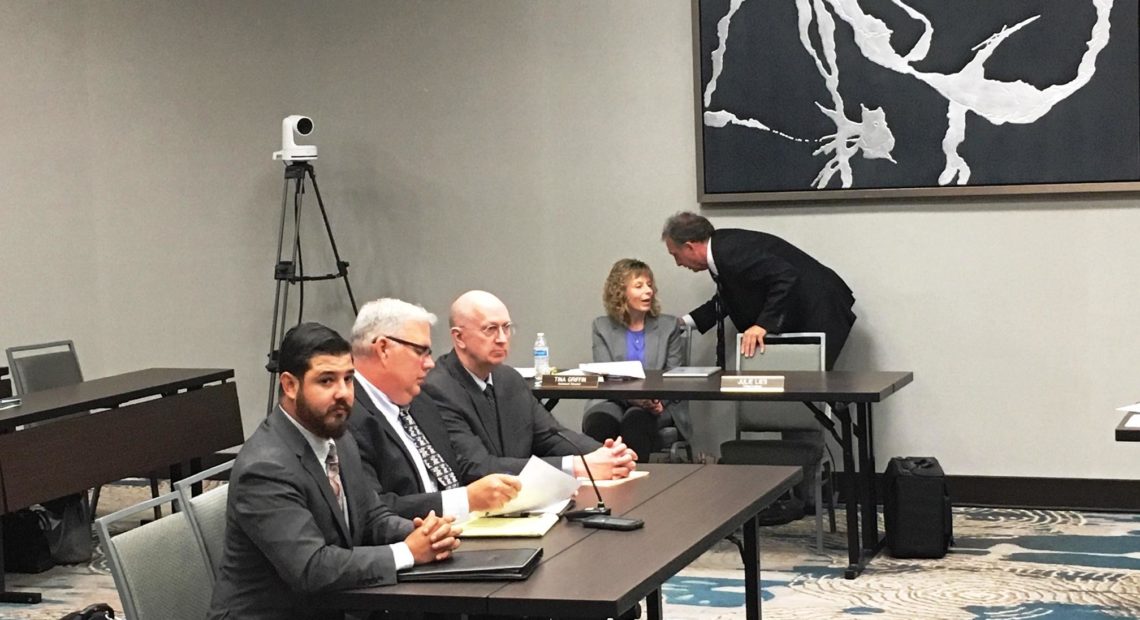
{"x":515,"y":515}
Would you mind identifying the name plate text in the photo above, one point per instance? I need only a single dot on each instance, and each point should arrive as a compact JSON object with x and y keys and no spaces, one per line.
{"x":574,"y":381}
{"x":752,"y":383}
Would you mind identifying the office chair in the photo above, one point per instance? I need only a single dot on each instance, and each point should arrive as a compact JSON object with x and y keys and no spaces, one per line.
{"x":803,"y":440}
{"x":36,"y":367}
{"x":160,"y":569}
{"x":207,"y":513}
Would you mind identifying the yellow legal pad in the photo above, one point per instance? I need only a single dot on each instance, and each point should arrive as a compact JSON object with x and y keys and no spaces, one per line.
{"x":533,"y":526}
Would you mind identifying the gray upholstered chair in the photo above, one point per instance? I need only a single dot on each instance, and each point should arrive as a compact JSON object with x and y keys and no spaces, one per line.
{"x":802,"y":439}
{"x":159,"y":568}
{"x":207,"y":513}
{"x":36,"y":367}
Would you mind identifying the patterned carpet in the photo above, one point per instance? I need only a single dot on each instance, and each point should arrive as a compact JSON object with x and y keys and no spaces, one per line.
{"x":1006,"y":565}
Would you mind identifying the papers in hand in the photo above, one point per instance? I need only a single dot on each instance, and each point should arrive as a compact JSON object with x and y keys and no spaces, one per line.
{"x":631,"y":369}
{"x":544,"y":489}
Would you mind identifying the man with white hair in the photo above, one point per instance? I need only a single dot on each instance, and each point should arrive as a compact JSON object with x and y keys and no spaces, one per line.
{"x":494,"y":421}
{"x":404,"y":446}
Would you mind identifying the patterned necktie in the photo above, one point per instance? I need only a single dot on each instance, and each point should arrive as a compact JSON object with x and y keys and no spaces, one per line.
{"x":332,"y":468}
{"x":438,"y":468}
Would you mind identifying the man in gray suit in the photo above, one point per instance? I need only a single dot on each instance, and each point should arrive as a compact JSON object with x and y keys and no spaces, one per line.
{"x":494,"y":421}
{"x":404,"y":446}
{"x":300,"y":517}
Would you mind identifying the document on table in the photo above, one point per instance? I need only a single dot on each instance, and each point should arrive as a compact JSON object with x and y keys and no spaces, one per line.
{"x":545,"y":488}
{"x":631,"y":368}
{"x":637,"y":473}
{"x":530,"y":526}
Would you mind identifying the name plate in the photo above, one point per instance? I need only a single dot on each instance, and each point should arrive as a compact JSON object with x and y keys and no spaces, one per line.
{"x":752,"y":383}
{"x":574,"y":381}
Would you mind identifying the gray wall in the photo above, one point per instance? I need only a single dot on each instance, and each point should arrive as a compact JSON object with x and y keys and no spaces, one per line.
{"x":519,"y":147}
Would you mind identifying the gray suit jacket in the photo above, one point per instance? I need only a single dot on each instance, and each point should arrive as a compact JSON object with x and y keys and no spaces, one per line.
{"x":665,"y":347}
{"x":286,"y":539}
{"x":527,"y":428}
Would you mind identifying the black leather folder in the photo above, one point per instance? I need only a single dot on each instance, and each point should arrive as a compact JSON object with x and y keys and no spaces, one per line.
{"x":478,"y":565}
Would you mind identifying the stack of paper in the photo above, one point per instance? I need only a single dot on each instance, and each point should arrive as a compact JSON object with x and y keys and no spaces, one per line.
{"x":632,"y":369}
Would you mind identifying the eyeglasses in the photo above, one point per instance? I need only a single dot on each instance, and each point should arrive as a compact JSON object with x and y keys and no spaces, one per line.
{"x":492,"y":330}
{"x":422,"y":350}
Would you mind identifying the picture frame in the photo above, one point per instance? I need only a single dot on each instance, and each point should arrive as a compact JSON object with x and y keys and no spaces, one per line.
{"x":825,"y":100}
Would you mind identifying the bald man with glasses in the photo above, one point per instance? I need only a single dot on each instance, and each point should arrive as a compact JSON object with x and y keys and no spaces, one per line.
{"x":494,"y":421}
{"x":407,"y":456}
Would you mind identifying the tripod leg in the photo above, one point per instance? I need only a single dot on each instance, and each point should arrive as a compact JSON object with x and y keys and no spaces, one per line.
{"x":332,"y":241}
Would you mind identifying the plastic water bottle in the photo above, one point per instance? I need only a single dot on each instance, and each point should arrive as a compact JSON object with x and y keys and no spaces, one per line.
{"x":541,"y":356}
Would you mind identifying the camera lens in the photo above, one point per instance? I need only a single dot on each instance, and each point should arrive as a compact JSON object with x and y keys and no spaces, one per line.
{"x":304,"y":126}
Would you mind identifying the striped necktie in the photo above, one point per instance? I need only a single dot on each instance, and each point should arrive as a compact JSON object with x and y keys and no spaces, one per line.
{"x":332,"y":469}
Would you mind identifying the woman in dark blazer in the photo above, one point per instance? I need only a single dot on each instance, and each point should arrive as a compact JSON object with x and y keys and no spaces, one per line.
{"x":635,"y":329}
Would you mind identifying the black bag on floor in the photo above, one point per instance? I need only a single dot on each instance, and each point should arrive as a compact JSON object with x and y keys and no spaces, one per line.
{"x":69,"y":529}
{"x":916,"y":508}
{"x":25,"y":543}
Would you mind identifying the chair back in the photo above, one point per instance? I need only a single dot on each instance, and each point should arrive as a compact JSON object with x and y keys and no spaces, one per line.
{"x":44,"y":366}
{"x":207,"y":514}
{"x":159,"y":569}
{"x":782,"y":352}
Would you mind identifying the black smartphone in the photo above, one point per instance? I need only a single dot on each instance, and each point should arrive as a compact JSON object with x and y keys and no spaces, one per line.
{"x":605,"y":522}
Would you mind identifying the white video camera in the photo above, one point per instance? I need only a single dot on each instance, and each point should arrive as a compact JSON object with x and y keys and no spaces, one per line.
{"x":291,"y":126}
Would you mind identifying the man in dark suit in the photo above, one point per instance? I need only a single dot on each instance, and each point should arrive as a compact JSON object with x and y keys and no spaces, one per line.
{"x":764,"y":284}
{"x":300,"y":517}
{"x":494,"y":421}
{"x":406,"y":452}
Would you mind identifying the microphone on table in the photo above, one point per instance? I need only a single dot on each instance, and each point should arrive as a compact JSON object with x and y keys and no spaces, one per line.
{"x":600,"y":508}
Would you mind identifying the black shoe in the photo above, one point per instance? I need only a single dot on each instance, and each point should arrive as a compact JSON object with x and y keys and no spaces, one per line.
{"x":781,"y":511}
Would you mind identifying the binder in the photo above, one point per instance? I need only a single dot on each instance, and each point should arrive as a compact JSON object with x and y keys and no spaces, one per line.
{"x":478,"y":565}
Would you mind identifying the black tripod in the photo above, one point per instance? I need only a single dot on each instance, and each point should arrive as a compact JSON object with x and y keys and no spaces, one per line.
{"x":292,"y":271}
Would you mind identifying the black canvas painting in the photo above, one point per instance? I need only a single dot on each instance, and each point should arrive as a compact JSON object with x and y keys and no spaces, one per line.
{"x":811,"y":99}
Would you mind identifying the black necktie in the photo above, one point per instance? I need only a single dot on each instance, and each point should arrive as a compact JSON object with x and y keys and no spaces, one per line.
{"x":720,"y":310}
{"x":493,"y":425}
{"x":438,"y":468}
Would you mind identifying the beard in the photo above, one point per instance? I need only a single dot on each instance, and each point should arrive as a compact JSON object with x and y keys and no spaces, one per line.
{"x":326,"y":424}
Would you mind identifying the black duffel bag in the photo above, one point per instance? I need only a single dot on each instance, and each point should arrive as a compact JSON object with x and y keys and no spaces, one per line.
{"x":916,"y":508}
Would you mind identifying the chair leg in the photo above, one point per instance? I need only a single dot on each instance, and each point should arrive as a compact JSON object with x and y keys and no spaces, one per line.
{"x":95,"y":501}
{"x":154,"y":493}
{"x":819,"y":508}
{"x":831,"y":497}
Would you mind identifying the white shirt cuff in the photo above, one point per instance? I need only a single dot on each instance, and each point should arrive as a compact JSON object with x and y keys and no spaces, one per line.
{"x":455,"y":503}
{"x":689,"y":321}
{"x":568,"y":464}
{"x":402,"y":556}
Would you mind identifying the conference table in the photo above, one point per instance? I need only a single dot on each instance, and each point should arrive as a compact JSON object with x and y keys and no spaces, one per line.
{"x":72,"y":438}
{"x":842,"y":390}
{"x":602,"y":573}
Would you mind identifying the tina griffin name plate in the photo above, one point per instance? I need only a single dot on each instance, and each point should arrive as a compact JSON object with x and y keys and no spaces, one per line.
{"x":570,"y":381}
{"x":752,"y":383}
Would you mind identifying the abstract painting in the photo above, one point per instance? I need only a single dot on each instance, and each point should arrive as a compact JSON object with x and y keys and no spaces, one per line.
{"x":823,"y":99}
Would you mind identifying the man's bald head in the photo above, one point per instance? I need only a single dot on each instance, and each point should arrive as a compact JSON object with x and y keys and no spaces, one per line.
{"x":480,"y":331}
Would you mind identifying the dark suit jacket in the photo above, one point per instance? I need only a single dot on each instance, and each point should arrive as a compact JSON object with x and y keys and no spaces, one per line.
{"x":528,"y":428}
{"x":388,"y":465}
{"x":766,"y":281}
{"x":286,"y":538}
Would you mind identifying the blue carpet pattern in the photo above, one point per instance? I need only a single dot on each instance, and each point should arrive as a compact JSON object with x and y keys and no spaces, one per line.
{"x":1005,"y":565}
